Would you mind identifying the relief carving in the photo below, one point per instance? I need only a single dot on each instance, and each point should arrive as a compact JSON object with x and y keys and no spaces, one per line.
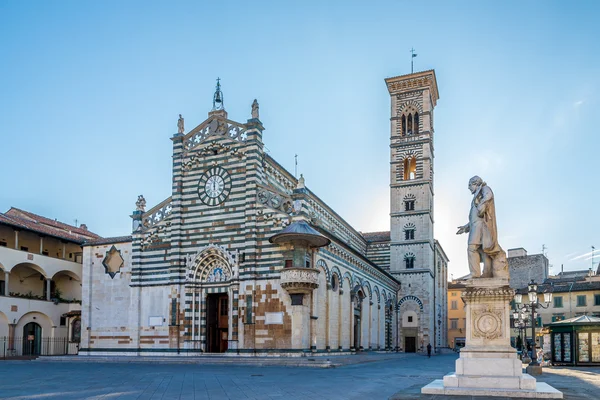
{"x":487,"y":323}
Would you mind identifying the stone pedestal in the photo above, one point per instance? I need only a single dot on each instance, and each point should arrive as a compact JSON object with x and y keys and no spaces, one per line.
{"x":488,"y":365}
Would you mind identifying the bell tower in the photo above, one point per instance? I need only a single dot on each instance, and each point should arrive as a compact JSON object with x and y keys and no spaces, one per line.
{"x":412,"y":246}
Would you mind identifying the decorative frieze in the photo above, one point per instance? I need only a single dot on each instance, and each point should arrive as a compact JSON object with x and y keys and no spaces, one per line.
{"x":480,"y":294}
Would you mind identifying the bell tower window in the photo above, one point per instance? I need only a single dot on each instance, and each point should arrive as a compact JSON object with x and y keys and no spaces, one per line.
{"x":410,"y":168}
{"x":403,"y":125}
{"x":409,"y":261}
{"x":409,"y":122}
{"x":416,"y":123}
{"x":409,"y":205}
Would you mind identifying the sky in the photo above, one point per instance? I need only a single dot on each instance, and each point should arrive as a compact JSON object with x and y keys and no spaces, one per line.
{"x":91,"y":92}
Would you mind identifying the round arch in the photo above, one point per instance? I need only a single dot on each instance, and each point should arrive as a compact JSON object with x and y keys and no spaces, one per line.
{"x":212,"y":263}
{"x":32,"y":266}
{"x":323,"y":265}
{"x":38,"y":317}
{"x":3,"y":325}
{"x":68,"y":273}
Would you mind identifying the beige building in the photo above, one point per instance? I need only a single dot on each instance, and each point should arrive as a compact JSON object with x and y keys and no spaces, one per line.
{"x":574,"y":293}
{"x":457,"y":316}
{"x":242,"y":257}
{"x":40,"y":284}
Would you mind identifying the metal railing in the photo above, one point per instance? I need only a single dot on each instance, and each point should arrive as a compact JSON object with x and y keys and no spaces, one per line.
{"x":30,"y":346}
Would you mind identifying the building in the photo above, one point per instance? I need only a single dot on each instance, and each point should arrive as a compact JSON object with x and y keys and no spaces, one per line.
{"x":523,"y":268}
{"x":574,"y":294}
{"x":457,"y":316}
{"x":40,"y":284}
{"x":243,"y":258}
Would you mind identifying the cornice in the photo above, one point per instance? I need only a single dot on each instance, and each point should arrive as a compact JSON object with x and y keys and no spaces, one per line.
{"x":415,"y":81}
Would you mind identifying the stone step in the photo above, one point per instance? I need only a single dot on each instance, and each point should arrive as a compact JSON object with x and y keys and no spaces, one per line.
{"x":316,"y":362}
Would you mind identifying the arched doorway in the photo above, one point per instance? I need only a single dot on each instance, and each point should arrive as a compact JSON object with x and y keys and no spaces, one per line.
{"x":32,"y":339}
{"x":209,"y":287}
{"x":358,"y":298}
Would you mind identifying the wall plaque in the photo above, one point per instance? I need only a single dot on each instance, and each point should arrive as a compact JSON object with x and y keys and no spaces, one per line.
{"x":273,"y":318}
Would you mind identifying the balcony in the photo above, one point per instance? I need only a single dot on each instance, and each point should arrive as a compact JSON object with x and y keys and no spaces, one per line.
{"x":48,"y":266}
{"x":299,"y":280}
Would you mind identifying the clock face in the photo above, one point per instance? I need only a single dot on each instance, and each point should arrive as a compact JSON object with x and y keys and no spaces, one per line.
{"x":214,"y":186}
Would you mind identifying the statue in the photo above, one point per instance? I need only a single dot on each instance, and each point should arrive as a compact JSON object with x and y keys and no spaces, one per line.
{"x":255,"y":109}
{"x":483,"y":234}
{"x":180,"y":127}
{"x":140,"y":204}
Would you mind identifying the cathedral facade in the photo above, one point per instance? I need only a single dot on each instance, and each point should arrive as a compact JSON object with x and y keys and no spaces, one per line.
{"x":243,"y":258}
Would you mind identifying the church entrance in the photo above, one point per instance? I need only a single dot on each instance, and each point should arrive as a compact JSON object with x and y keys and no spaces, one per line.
{"x":410,"y":344}
{"x":217,"y":322}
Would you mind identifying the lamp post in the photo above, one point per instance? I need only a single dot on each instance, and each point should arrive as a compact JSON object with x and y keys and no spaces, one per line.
{"x":520,"y":322}
{"x":532,"y":288}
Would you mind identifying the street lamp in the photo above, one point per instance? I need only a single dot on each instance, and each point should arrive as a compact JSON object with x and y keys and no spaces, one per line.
{"x":531,"y":307}
{"x":520,"y":322}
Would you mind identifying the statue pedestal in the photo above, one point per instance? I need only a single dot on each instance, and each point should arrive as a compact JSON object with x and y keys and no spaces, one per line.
{"x":488,"y":365}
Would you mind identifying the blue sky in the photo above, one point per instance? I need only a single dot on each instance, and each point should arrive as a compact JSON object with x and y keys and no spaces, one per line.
{"x":91,"y":92}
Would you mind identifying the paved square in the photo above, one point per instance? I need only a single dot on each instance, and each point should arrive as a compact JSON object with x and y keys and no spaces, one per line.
{"x":371,"y":377}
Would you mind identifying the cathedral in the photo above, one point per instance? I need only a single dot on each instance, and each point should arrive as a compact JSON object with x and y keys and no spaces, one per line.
{"x":243,"y":258}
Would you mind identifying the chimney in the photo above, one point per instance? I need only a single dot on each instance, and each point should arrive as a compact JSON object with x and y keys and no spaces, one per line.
{"x":83,"y":226}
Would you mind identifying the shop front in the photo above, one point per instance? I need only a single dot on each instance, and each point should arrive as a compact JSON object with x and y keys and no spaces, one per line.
{"x":575,"y":341}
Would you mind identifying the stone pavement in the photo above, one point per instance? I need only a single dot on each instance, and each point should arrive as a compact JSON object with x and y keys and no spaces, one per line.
{"x":364,"y":376}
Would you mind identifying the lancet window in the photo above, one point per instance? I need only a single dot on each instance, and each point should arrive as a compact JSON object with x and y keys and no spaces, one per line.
{"x":409,"y":260}
{"x":410,"y":168}
{"x":410,"y":123}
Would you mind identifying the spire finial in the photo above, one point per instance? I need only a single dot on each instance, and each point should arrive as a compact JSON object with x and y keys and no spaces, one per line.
{"x":218,"y":97}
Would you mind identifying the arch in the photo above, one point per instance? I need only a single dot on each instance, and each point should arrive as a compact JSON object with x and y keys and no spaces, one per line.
{"x":33,"y":266}
{"x":377,"y":296}
{"x":70,"y":274}
{"x":410,"y":106}
{"x":411,"y":298}
{"x":336,"y":271}
{"x":66,"y":285}
{"x":356,"y":280}
{"x":409,"y":226}
{"x":212,"y":263}
{"x":367,"y":285}
{"x":323,"y":265}
{"x":3,"y":325}
{"x":350,"y":280}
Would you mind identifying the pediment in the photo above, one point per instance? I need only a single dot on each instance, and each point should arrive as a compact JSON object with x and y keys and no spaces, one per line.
{"x":215,"y":126}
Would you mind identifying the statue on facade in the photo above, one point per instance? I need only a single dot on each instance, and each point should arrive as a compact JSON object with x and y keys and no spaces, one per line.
{"x":140,"y":204}
{"x":255,"y":109}
{"x":483,"y":234}
{"x":180,"y":126}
